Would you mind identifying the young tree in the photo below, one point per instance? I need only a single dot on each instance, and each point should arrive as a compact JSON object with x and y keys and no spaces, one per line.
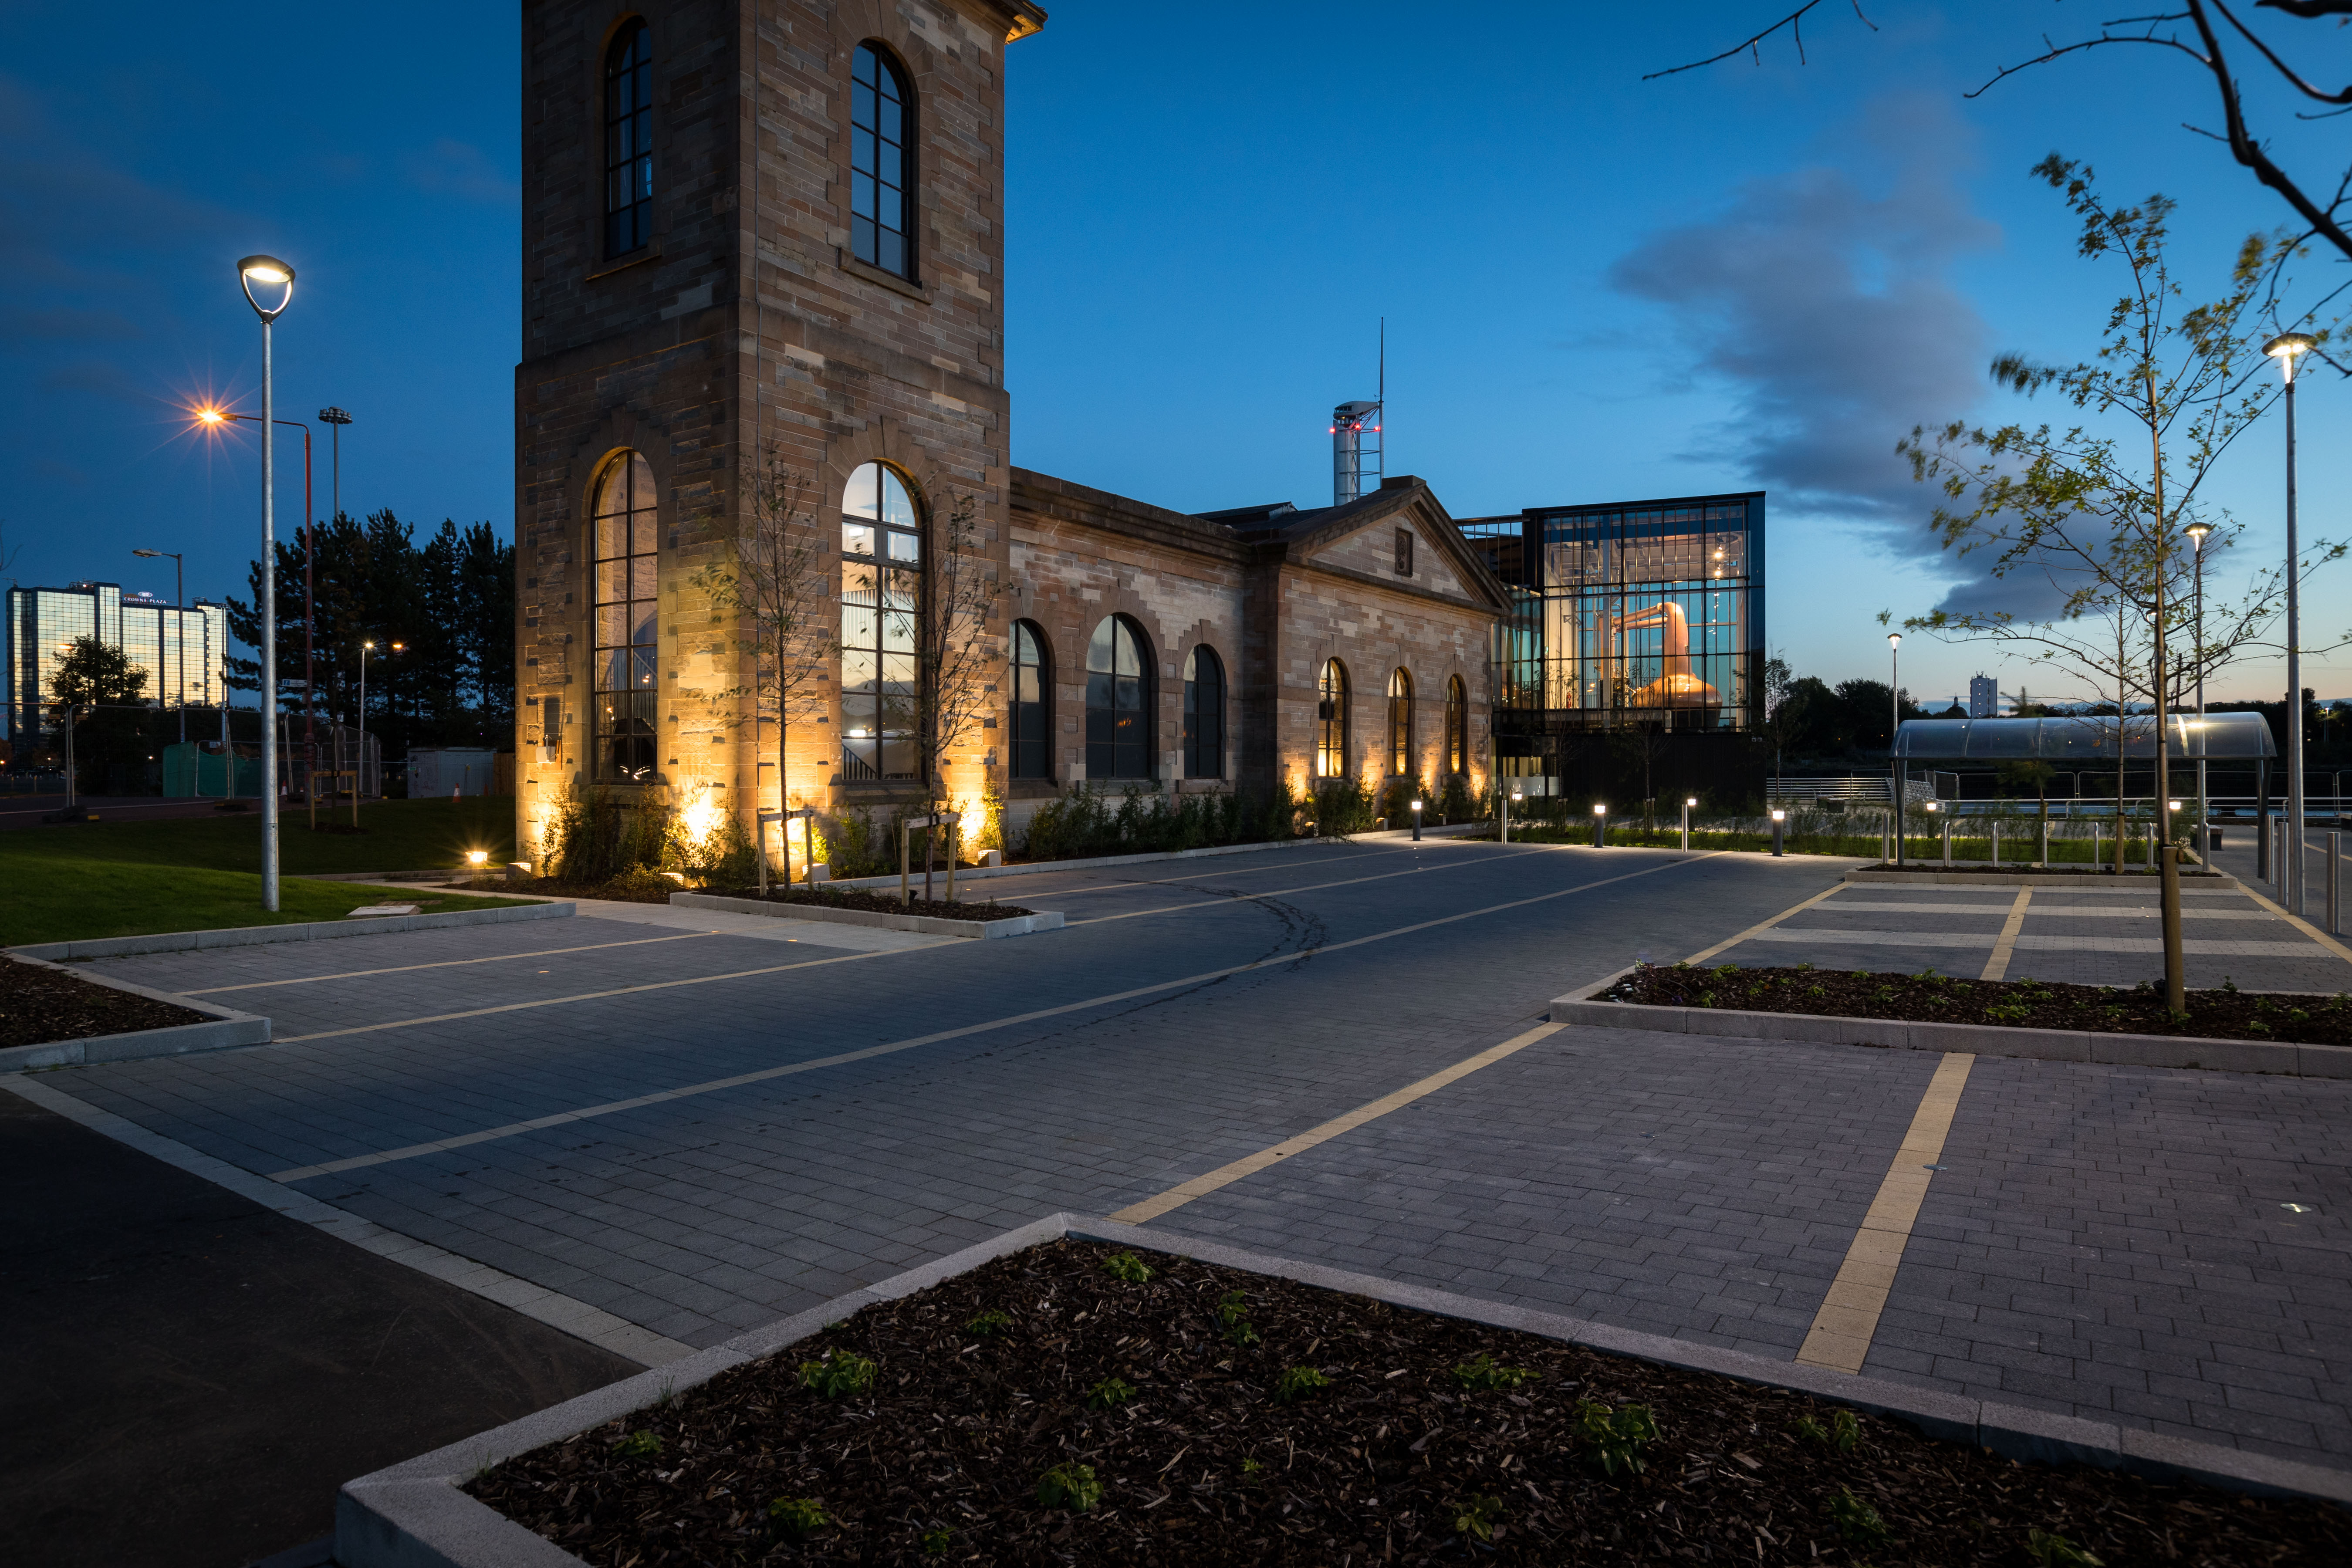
{"x":778,"y":581}
{"x":94,"y":695}
{"x":2098,"y":518}
{"x":957,"y":654}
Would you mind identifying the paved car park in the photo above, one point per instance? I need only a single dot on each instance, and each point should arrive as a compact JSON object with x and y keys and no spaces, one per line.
{"x":691,"y":1123}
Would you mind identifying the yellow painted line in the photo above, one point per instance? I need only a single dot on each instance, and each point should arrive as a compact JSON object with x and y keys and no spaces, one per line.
{"x":445,"y":963}
{"x":1705,"y":953}
{"x":1997,"y":966}
{"x":1177,"y":1196}
{"x":2304,"y":926}
{"x":1848,"y":1319}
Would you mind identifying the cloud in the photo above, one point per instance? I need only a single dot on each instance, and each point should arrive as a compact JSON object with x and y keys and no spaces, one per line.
{"x":1824,"y":297}
{"x":462,"y":170}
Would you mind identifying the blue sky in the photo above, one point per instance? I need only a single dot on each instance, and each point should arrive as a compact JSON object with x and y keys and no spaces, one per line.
{"x":1596,"y":287}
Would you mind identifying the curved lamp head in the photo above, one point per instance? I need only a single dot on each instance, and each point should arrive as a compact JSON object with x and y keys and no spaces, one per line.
{"x":1895,"y":639}
{"x":2197,"y":532}
{"x":151,"y":554}
{"x":270,"y":273}
{"x":2288,"y":347}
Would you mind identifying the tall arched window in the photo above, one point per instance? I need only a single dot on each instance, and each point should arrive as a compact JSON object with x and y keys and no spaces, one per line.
{"x":628,"y":142}
{"x":1457,"y":726}
{"x":881,"y":164}
{"x":1204,"y":714}
{"x":1033,"y":703}
{"x":881,"y":595}
{"x":1400,"y":723}
{"x":1118,"y":701}
{"x":1332,"y":722}
{"x":628,"y":627}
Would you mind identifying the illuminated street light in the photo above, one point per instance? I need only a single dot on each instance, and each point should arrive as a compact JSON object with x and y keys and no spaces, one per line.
{"x":1894,"y":728}
{"x":2287,"y":348}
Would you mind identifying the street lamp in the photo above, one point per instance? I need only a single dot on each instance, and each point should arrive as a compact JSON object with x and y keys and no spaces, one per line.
{"x":2287,"y":348}
{"x":179,"y":642}
{"x":359,"y":763}
{"x":1894,"y":726}
{"x":2197,"y":532}
{"x":270,"y":273}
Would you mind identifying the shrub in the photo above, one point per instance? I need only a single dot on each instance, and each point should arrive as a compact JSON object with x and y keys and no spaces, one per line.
{"x":1127,"y":1267}
{"x":1483,"y":1374}
{"x":2057,"y":1551}
{"x":989,"y":1322}
{"x":798,"y":1518}
{"x":1232,"y":1320}
{"x":639,"y":1446}
{"x":1071,"y":1487}
{"x":1615,"y":1437}
{"x":1856,"y":1521}
{"x":1299,"y":1383}
{"x":840,"y":1372}
{"x":1477,"y":1515}
{"x":1109,"y":1393}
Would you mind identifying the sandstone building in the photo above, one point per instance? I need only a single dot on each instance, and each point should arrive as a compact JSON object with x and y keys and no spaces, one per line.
{"x":766,"y":240}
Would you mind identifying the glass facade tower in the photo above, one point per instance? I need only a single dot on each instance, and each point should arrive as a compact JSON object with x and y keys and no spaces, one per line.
{"x":1626,"y":615}
{"x":182,"y":648}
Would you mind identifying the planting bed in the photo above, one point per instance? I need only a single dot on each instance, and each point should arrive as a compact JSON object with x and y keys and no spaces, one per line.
{"x":1045,"y":1409}
{"x":883,"y":901}
{"x":39,"y":1006}
{"x":2228,"y":1013}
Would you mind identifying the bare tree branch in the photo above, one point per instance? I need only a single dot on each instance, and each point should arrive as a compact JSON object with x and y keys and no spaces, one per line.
{"x":1794,"y":21}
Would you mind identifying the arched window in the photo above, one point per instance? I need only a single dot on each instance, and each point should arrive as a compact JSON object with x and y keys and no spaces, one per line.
{"x":1033,"y":703}
{"x":1400,"y":723}
{"x":1331,"y":722}
{"x":1457,"y":726}
{"x":627,"y":625}
{"x":1118,"y":701}
{"x":1204,"y":714}
{"x":628,"y":142}
{"x":881,"y":595}
{"x":881,"y":165}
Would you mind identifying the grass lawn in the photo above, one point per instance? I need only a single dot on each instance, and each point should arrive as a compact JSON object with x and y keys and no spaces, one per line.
{"x":72,"y":880}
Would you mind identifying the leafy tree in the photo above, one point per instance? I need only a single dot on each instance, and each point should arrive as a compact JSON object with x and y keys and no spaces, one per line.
{"x":957,"y":654}
{"x":99,"y":691}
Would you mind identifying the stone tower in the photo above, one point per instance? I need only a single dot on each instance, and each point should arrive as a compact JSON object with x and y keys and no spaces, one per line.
{"x":754,"y":231}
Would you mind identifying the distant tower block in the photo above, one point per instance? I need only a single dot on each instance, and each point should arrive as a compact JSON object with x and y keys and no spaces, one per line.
{"x":1984,"y":697}
{"x":1354,"y":450}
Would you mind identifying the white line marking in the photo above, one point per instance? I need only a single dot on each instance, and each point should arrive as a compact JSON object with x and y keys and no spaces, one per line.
{"x":445,"y":963}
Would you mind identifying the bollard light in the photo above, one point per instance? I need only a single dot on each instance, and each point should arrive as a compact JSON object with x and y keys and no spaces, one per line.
{"x":1688,"y":801}
{"x":1416,"y":821}
{"x":1599,"y":825}
{"x":1779,"y":820}
{"x":478,"y":857}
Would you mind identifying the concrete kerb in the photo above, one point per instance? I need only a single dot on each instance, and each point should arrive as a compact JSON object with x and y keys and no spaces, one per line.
{"x":413,"y":1515}
{"x":224,"y":1028}
{"x":1100,"y":862}
{"x":2083,"y":881}
{"x":2280,"y":1057}
{"x":929,"y":925}
{"x":308,"y":930}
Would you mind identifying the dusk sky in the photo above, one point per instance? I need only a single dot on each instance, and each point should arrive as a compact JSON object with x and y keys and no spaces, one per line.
{"x":1596,"y":287}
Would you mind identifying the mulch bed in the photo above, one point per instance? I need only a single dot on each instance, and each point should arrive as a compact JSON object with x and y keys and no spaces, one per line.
{"x":884,"y":901}
{"x":2227,"y":1013}
{"x":1426,"y":1434}
{"x":38,"y":1006}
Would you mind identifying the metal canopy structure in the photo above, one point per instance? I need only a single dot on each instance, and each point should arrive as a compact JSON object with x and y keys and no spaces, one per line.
{"x":2086,"y":738}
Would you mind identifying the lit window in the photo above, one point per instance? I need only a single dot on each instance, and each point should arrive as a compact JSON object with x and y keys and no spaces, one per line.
{"x":881,"y":595}
{"x":881,"y":174}
{"x":627,"y":622}
{"x":1457,"y":726}
{"x":1400,"y":723}
{"x":1332,"y":722}
{"x":629,"y":143}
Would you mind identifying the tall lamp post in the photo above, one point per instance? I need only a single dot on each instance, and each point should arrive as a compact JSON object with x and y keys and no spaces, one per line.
{"x":2287,"y":348}
{"x":270,"y":273}
{"x":359,"y":763}
{"x":218,"y":417}
{"x":2197,"y":532}
{"x":180,"y":644}
{"x":1894,"y":726}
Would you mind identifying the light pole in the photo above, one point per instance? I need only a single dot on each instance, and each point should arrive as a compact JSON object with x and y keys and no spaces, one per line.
{"x":219,"y":416}
{"x":1894,"y":726}
{"x":359,"y":761}
{"x":2286,"y":348}
{"x":179,"y":597}
{"x":269,"y":273}
{"x":2197,"y":532}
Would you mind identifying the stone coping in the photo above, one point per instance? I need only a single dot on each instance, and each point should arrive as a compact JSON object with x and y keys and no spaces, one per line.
{"x":307,"y":930}
{"x":2101,"y":882}
{"x":2278,"y":1057}
{"x":224,"y":1028}
{"x":929,"y":925}
{"x":1096,"y":862}
{"x":412,"y":1515}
